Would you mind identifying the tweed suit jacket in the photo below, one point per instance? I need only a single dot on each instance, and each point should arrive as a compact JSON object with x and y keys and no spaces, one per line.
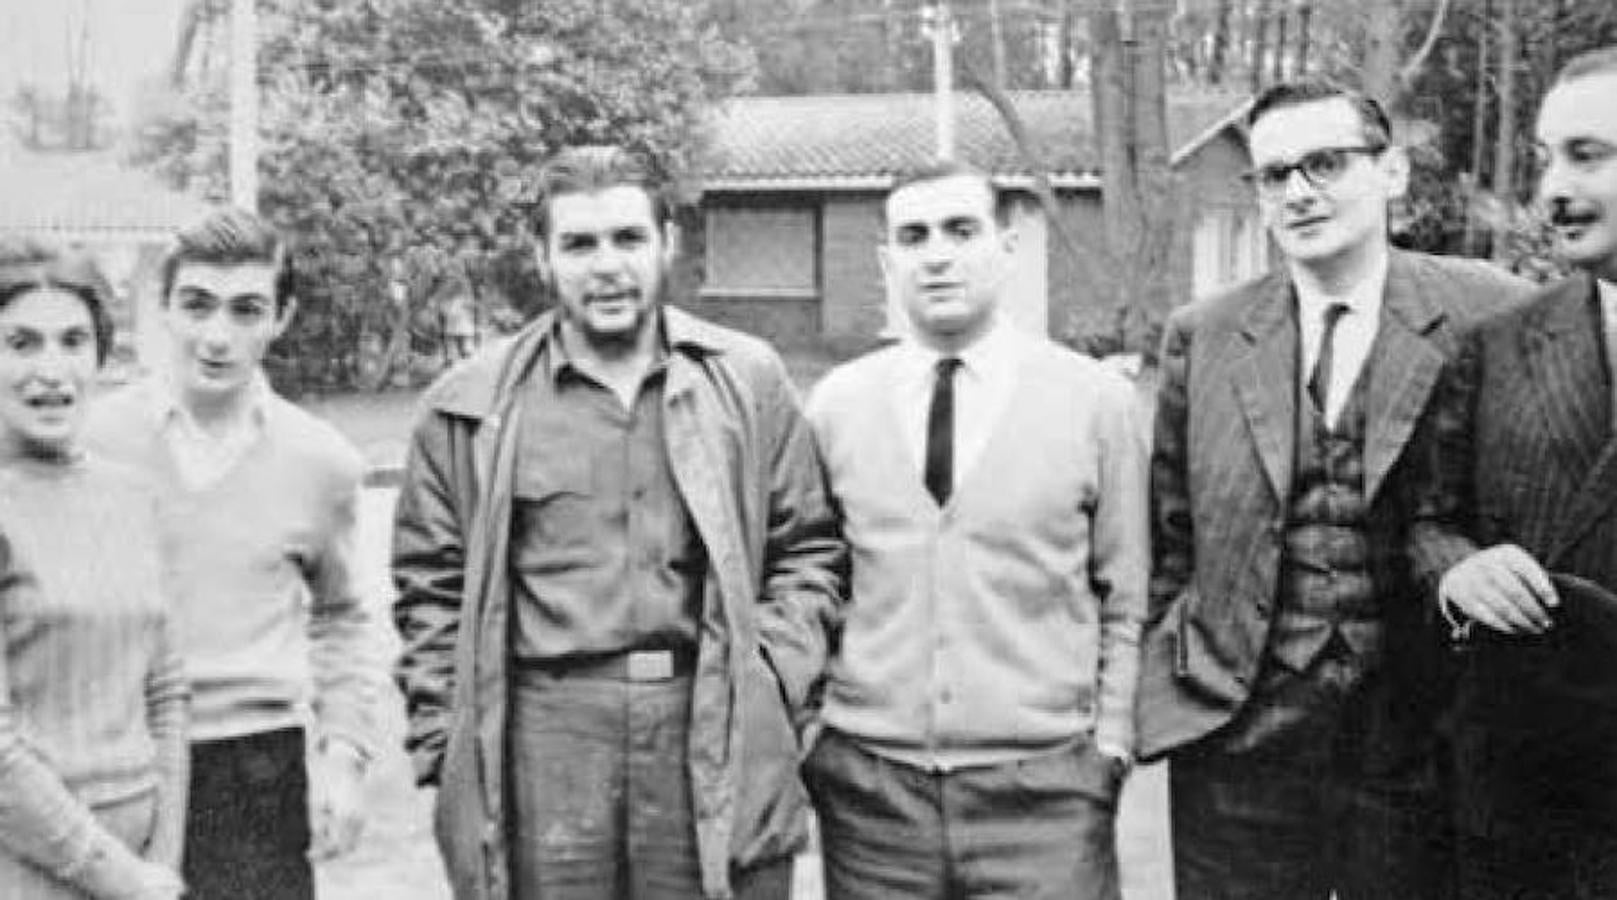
{"x":1520,"y":448}
{"x":1222,"y":468}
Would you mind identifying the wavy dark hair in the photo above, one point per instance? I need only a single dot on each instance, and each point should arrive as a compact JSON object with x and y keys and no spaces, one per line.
{"x":590,"y":168}
{"x":28,"y":265}
{"x":228,"y":236}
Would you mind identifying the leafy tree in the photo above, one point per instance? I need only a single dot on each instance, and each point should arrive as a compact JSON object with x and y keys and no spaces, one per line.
{"x":400,"y":139}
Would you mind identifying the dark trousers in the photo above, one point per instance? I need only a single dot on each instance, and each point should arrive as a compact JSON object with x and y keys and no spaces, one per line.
{"x":601,"y":794}
{"x":247,"y":827}
{"x":1035,"y":828}
{"x":1313,"y":788}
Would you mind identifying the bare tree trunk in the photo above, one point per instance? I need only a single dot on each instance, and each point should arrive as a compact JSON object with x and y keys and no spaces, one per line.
{"x":1109,"y":87}
{"x":891,"y":34}
{"x":1221,"y":42}
{"x":1260,"y":34}
{"x":1380,"y":64}
{"x":190,"y":21}
{"x":1305,"y":18}
{"x":1152,"y":291}
{"x":1479,"y":130}
{"x":1434,"y":30}
{"x":1278,"y":70}
{"x":996,"y":37}
{"x":1068,"y":73}
{"x":1504,"y":162}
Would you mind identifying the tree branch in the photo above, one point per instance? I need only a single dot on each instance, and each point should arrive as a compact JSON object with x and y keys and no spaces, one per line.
{"x":1412,"y":67}
{"x":1043,"y":191}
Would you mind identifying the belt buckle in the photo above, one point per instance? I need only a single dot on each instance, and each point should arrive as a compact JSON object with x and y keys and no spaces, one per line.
{"x":651,"y":665}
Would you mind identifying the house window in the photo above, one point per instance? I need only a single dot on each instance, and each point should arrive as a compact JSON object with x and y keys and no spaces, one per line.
{"x":761,"y":250}
{"x":1230,"y":247}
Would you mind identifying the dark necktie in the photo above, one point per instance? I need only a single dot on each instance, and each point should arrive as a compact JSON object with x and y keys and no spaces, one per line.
{"x":940,"y":432}
{"x":1319,"y":383}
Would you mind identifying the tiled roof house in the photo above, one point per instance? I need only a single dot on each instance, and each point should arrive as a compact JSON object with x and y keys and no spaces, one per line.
{"x":791,"y":191}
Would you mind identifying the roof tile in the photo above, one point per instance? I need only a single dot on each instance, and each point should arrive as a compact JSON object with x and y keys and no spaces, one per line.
{"x":863,"y":135}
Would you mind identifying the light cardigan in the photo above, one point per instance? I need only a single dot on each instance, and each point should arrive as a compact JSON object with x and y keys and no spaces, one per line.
{"x":261,"y":563}
{"x":1006,"y":624}
{"x":92,"y":698}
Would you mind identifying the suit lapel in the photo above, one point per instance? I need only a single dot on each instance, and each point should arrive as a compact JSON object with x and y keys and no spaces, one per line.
{"x":1265,"y":376}
{"x":1403,"y":367}
{"x":1563,"y":354}
{"x":1562,"y":351}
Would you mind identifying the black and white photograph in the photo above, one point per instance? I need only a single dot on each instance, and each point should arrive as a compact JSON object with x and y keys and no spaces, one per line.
{"x":808,"y":449}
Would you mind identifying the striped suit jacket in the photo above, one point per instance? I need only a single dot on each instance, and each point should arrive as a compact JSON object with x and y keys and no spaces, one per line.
{"x":1221,"y":474}
{"x":1520,"y":448}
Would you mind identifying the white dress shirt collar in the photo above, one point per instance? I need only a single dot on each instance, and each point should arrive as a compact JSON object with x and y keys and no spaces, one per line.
{"x":203,"y":457}
{"x":1355,"y":332}
{"x":982,"y":388}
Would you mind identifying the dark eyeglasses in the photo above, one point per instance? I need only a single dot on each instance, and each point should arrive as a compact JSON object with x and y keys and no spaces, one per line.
{"x":1319,"y":167}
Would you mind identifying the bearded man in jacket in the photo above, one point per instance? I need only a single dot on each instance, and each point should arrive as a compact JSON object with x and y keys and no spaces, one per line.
{"x":617,"y":575}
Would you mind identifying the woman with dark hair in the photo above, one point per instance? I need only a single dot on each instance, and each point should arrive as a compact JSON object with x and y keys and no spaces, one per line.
{"x":92,"y":702}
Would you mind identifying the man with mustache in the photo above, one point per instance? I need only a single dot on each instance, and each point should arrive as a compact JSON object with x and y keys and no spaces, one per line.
{"x":1518,"y":532}
{"x":1289,"y":670}
{"x":617,"y":571}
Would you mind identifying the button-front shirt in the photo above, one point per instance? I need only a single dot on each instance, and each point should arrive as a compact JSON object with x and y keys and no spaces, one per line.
{"x":603,"y":555}
{"x":982,"y":387}
{"x":1355,"y":333}
{"x":203,"y":457}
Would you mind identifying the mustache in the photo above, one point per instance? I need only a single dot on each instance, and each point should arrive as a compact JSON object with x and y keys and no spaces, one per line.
{"x":1560,"y":211}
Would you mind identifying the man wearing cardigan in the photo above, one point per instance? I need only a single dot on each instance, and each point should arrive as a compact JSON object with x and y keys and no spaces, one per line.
{"x":1290,"y":671}
{"x":257,"y":516}
{"x":979,"y":714}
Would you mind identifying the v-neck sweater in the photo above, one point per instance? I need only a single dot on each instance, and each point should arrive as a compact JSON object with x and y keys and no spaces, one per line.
{"x":261,"y":563}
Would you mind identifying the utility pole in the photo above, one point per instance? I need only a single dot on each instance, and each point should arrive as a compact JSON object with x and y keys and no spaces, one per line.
{"x":938,"y":24}
{"x":244,"y":104}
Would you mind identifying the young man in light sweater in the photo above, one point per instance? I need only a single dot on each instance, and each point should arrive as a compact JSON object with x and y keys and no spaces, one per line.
{"x":979,"y":713}
{"x":257,"y":518}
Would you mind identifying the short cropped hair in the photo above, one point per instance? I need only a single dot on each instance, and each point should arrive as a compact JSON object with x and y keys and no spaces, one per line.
{"x":1599,"y":61}
{"x":939,"y":169}
{"x":1372,"y":117}
{"x":229,"y":236}
{"x":590,"y":168}
{"x":27,"y":265}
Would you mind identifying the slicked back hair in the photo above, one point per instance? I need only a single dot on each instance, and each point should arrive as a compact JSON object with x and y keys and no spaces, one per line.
{"x":590,"y":168}
{"x":939,"y":169}
{"x":227,"y":237}
{"x":1599,"y":61}
{"x":1373,"y":119}
{"x":27,"y":265}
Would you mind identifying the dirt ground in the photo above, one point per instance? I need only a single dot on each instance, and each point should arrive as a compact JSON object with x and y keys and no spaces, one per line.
{"x":397,"y":860}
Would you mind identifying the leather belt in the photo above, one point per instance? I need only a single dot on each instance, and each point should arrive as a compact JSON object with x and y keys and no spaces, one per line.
{"x":630,"y":665}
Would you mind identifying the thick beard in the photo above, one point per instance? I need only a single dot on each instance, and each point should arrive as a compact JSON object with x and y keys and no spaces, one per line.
{"x":610,"y":344}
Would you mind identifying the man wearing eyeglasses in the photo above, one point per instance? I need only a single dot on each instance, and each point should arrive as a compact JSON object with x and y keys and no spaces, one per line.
{"x":1518,"y":533}
{"x":1290,"y":674}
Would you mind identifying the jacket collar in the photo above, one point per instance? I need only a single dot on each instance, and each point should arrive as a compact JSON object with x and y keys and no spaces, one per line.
{"x":1402,"y":297}
{"x":474,"y":390}
{"x":1266,"y":380}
